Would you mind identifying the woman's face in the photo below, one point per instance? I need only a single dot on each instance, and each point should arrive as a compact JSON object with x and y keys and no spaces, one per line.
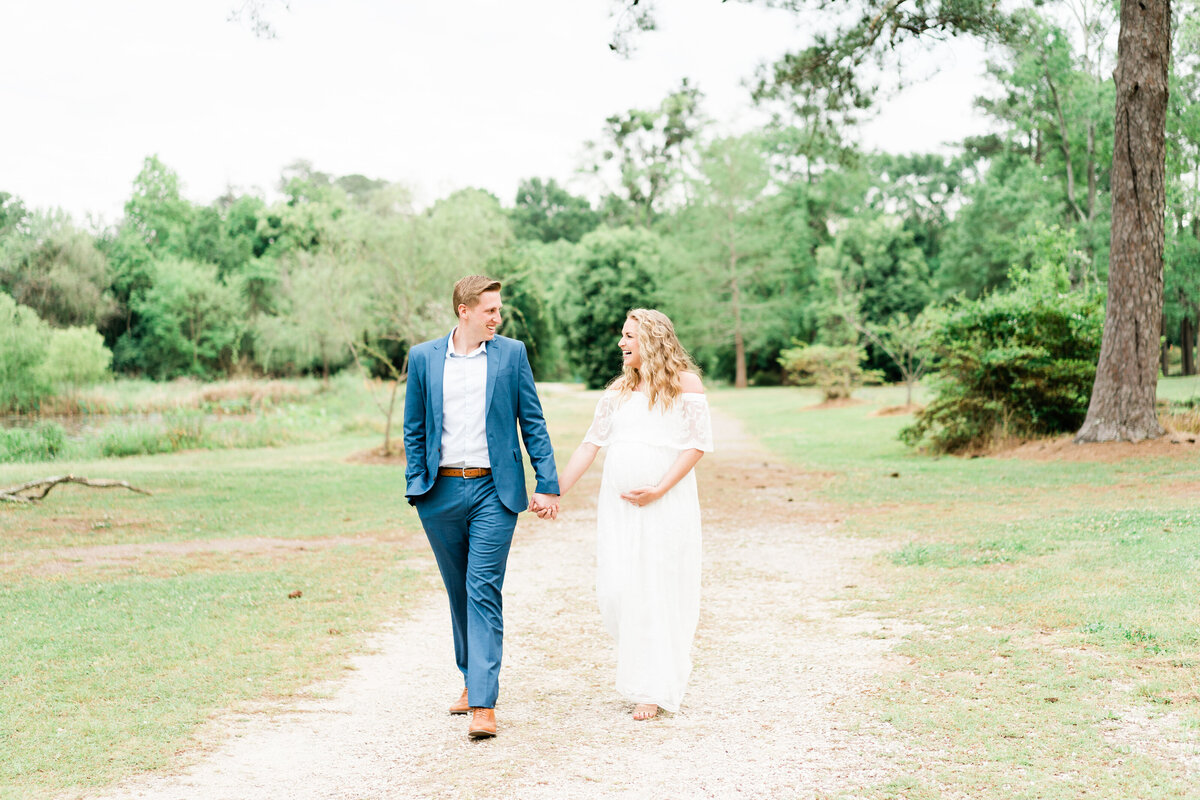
{"x":631,"y":355}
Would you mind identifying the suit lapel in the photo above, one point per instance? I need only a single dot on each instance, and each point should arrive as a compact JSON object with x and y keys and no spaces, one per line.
{"x":493,"y":368}
{"x":437,"y":369}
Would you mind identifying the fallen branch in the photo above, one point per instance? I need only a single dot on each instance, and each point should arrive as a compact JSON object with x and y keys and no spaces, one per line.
{"x":39,"y":489}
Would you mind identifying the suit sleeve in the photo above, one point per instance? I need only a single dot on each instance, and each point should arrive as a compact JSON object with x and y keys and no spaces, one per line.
{"x":414,"y":420}
{"x":533,"y":429}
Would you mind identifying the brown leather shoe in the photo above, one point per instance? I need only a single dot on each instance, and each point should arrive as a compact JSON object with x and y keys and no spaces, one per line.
{"x":461,"y":707}
{"x":483,"y":723}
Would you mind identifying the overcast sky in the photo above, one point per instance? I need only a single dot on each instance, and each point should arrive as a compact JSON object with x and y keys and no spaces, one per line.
{"x":438,"y":94}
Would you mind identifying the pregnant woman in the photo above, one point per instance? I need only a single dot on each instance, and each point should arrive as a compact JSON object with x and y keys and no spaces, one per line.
{"x":654,"y":421}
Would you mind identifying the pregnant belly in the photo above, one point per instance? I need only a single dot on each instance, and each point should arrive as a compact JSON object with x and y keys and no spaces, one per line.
{"x":632,"y":466}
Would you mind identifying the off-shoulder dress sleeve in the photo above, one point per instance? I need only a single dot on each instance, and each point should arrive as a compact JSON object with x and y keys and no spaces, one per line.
{"x":695,"y":429}
{"x":600,"y":433}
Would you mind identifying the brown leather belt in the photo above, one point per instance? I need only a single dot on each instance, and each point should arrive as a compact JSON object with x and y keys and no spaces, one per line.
{"x":464,"y":472}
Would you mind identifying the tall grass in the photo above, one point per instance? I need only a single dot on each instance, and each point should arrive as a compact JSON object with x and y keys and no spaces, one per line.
{"x":185,"y":416}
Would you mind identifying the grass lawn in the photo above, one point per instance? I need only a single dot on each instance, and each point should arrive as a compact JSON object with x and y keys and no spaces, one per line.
{"x":1058,"y":639}
{"x":1058,"y":650}
{"x":128,"y":621}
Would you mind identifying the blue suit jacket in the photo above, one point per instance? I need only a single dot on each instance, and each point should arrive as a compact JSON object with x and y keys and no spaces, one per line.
{"x":511,"y":400}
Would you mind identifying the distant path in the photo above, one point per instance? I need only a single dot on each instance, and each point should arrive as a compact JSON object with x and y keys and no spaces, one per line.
{"x":771,"y":710}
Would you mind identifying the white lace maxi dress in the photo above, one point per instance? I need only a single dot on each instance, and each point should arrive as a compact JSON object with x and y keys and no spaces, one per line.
{"x":648,"y":558}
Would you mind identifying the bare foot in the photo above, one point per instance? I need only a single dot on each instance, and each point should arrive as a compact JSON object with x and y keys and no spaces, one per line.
{"x":645,"y":711}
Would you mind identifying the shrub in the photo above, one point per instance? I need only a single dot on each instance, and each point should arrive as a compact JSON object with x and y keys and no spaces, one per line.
{"x":837,"y":371}
{"x":44,"y":442}
{"x":1018,"y":363}
{"x":75,"y":357}
{"x":24,"y":338}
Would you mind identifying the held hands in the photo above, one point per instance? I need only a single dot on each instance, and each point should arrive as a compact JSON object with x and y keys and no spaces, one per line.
{"x":544,"y":505}
{"x":643,"y":496}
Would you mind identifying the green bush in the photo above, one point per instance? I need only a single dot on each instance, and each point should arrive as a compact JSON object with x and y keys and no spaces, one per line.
{"x":1018,"y":363}
{"x":836,"y":371}
{"x":24,"y":338}
{"x":45,"y":442}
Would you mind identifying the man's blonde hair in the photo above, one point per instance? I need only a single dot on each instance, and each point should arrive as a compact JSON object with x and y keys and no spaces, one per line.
{"x":468,"y":289}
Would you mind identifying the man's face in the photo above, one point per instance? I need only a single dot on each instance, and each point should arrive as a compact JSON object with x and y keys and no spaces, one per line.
{"x":480,"y":322}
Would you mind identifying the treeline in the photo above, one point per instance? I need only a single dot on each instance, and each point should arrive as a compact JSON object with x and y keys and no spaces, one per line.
{"x":753,"y":243}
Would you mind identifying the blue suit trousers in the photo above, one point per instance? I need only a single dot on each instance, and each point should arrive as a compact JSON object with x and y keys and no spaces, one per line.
{"x":470,"y":531}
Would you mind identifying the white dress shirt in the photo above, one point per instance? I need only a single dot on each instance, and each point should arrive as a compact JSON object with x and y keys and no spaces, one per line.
{"x":464,"y":397}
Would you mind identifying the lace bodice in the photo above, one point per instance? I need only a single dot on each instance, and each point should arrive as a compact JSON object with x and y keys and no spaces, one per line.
{"x":685,"y":426}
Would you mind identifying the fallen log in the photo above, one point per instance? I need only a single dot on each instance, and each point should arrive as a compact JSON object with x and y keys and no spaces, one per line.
{"x":33,"y":491}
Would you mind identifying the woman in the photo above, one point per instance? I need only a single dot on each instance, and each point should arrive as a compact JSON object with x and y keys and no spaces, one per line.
{"x":654,"y":421}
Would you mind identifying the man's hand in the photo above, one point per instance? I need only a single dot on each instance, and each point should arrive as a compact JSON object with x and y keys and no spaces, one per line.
{"x":544,"y":505}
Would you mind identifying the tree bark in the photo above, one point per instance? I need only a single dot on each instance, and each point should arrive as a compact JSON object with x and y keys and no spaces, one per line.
{"x":1122,"y":403}
{"x":34,"y":491}
{"x":1187,"y":340}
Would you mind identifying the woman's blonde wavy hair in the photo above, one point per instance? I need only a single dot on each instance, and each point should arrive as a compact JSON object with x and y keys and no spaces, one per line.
{"x":663,"y":359}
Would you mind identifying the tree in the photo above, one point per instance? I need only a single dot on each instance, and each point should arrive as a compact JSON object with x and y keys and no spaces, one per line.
{"x":1122,"y":405}
{"x":12,"y":213}
{"x":157,"y":210}
{"x":906,"y":342}
{"x":1181,"y":290}
{"x":191,"y":322}
{"x":876,"y":260}
{"x":648,"y":148}
{"x":615,"y":270}
{"x":411,"y":263}
{"x":546,"y":212}
{"x":727,"y":247}
{"x":54,"y":268}
{"x":320,"y":312}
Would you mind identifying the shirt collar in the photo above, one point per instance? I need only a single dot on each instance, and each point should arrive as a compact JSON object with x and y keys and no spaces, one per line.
{"x":450,"y":347}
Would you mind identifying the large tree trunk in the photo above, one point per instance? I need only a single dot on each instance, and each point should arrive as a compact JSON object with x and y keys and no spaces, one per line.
{"x":1122,"y":404}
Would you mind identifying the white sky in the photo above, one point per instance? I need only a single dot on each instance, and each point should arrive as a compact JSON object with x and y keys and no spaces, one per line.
{"x":438,"y":94}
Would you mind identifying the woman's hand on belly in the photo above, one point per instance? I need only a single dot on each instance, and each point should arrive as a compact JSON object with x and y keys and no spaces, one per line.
{"x":642,"y":496}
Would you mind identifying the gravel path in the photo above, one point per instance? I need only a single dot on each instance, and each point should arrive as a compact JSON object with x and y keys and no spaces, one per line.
{"x":775,"y":707}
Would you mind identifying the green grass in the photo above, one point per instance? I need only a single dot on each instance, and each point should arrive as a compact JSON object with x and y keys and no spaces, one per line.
{"x":109,"y":664}
{"x":105,"y":675}
{"x":1054,"y":599}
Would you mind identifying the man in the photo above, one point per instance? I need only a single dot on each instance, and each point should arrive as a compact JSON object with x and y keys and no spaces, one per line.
{"x":466,"y":395}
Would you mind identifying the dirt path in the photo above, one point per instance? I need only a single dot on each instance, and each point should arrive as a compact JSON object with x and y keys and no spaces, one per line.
{"x":775,"y":707}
